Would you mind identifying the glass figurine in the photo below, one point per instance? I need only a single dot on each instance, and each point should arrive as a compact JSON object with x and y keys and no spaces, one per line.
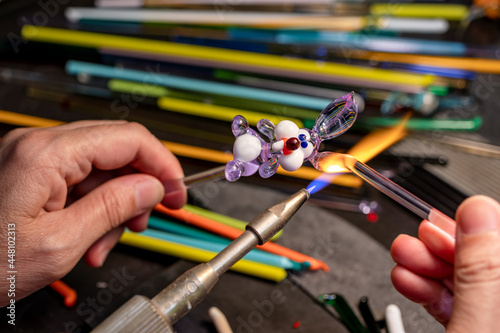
{"x":287,"y":144}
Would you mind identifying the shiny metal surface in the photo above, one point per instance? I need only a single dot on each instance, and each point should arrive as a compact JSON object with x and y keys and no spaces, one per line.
{"x":273,"y":219}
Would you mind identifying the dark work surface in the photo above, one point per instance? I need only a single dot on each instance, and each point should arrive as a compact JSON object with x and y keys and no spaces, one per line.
{"x":357,"y":251}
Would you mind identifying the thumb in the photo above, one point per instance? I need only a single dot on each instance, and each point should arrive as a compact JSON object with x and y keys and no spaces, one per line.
{"x":113,"y":203}
{"x":477,"y":267}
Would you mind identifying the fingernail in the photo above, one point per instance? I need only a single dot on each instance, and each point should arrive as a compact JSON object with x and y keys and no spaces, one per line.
{"x":173,"y":185}
{"x":148,"y":193}
{"x":175,"y":193}
{"x":478,"y":215}
{"x":101,"y":258}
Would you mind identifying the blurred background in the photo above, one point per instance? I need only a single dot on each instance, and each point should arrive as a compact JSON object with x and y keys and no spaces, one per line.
{"x":185,"y":68}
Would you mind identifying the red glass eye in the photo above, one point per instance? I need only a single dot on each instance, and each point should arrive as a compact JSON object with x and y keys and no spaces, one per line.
{"x":292,"y":144}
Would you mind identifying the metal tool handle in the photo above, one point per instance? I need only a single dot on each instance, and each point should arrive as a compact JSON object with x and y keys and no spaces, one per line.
{"x":137,"y":315}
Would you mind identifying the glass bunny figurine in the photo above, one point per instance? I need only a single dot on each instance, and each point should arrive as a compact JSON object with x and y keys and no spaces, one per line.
{"x":287,"y":145}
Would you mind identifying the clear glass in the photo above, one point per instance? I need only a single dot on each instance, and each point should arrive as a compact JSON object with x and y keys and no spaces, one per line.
{"x":204,"y":177}
{"x":337,"y":163}
{"x":196,"y":179}
{"x":336,"y":118}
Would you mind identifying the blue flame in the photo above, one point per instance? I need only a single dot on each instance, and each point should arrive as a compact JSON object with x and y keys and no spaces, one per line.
{"x":320,"y":183}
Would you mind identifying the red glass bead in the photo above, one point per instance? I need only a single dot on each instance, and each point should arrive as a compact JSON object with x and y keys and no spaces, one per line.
{"x":292,"y":144}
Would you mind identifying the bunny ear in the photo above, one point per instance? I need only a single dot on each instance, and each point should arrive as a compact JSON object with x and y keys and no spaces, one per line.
{"x":239,"y":126}
{"x":266,"y":127}
{"x":337,"y":117}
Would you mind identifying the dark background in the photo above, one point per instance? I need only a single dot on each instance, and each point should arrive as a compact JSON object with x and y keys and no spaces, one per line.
{"x":357,"y":251}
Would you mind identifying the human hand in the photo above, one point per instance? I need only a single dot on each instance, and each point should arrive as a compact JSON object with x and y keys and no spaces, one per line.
{"x":70,"y":190}
{"x":458,"y":283}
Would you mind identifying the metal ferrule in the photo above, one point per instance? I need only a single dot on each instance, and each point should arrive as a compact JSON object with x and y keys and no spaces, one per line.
{"x":273,"y":219}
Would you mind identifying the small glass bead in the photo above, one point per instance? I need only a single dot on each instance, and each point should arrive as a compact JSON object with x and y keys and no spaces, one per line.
{"x":292,"y":144}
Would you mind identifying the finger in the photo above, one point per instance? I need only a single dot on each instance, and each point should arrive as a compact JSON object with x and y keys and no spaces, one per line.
{"x":174,"y":200}
{"x":95,"y":179}
{"x":437,"y":241}
{"x":139,"y":223}
{"x":98,"y":252}
{"x":65,"y":158}
{"x":15,"y":133}
{"x":477,"y":266}
{"x":432,"y":294}
{"x":88,"y":123}
{"x":111,"y":204}
{"x":175,"y":195}
{"x":111,"y":148}
{"x":415,"y":256}
{"x":98,"y":177}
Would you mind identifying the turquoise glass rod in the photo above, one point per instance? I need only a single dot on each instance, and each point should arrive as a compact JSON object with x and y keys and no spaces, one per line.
{"x":349,"y":40}
{"x":184,"y":230}
{"x":254,"y":255}
{"x":210,"y":87}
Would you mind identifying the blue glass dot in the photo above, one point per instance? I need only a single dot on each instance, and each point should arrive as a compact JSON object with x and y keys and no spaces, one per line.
{"x":302,"y":137}
{"x":303,"y":144}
